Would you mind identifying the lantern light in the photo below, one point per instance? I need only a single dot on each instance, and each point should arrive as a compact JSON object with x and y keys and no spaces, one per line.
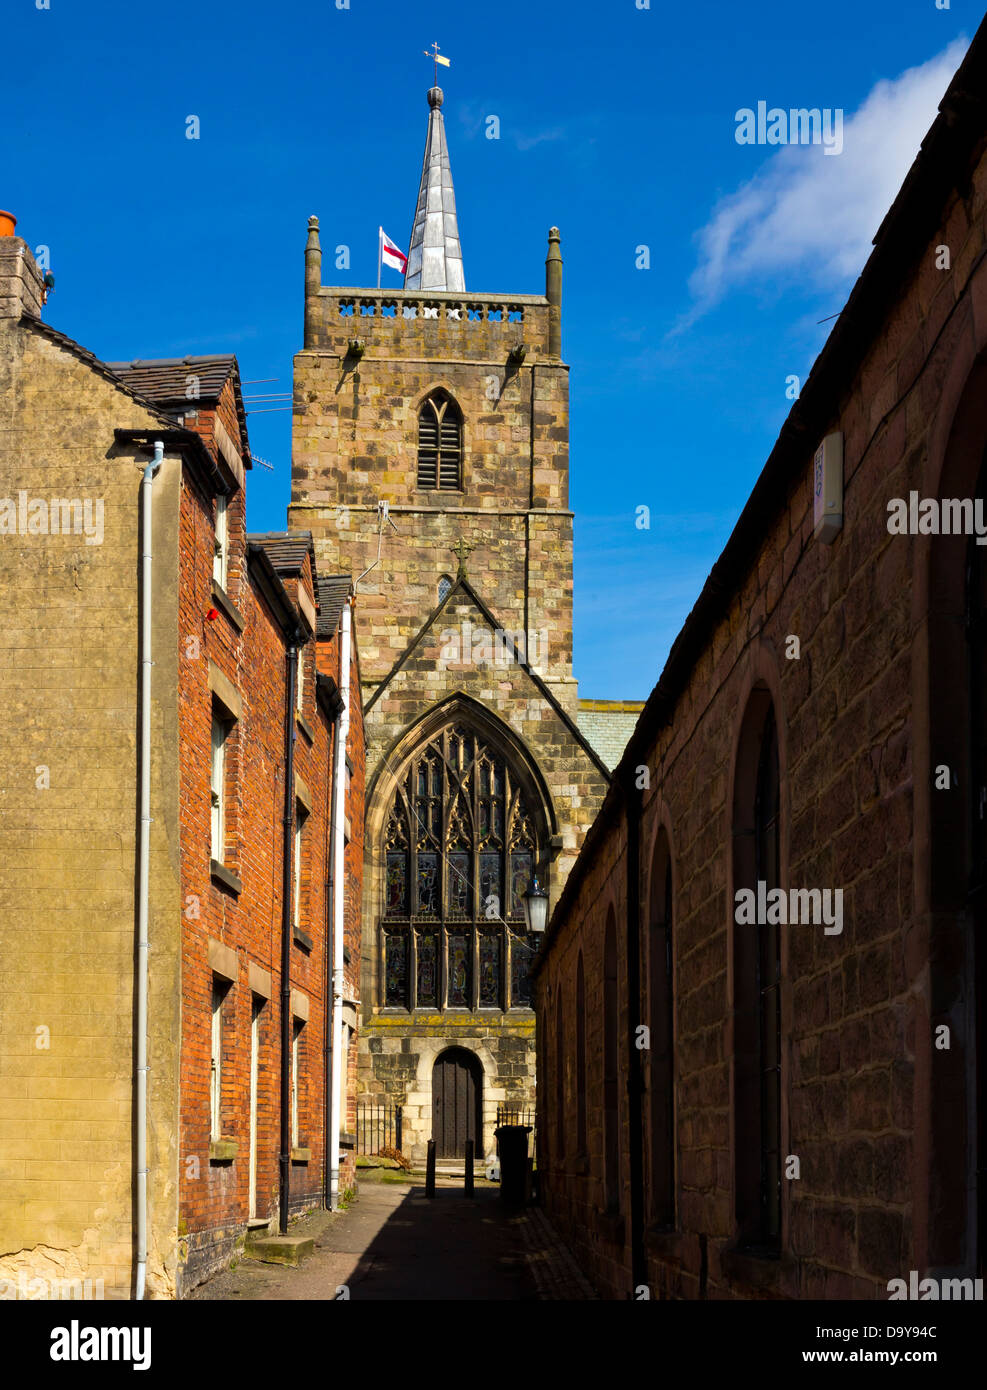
{"x":535,"y":901}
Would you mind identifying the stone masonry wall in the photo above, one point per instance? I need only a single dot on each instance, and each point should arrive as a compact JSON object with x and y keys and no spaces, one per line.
{"x":355,"y":442}
{"x":859,"y":1071}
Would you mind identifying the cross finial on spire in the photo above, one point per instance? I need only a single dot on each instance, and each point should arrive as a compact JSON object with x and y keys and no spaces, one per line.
{"x":462,"y":550}
{"x":436,"y":58}
{"x":435,"y":257}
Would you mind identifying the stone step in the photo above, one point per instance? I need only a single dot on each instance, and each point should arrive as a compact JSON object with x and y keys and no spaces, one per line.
{"x":279,"y":1250}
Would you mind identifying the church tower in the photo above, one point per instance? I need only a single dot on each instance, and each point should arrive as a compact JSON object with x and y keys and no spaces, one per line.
{"x":430,"y":462}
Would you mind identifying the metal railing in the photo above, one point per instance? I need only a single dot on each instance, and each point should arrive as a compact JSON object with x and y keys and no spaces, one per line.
{"x":514,"y":1113}
{"x":378,"y":1126}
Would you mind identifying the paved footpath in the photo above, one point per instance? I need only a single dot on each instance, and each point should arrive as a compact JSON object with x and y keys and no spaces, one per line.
{"x":395,"y":1243}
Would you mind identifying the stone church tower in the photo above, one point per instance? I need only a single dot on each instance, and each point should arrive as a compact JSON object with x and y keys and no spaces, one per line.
{"x":450,"y":407}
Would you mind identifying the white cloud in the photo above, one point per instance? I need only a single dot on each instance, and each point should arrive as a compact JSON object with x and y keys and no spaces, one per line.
{"x":812,"y":215}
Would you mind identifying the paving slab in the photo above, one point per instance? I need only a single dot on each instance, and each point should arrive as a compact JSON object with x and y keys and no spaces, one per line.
{"x":394,"y":1243}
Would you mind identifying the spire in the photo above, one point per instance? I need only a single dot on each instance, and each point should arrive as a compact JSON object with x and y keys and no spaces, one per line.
{"x":435,"y":259}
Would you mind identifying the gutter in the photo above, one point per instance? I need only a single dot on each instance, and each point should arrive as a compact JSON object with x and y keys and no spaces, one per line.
{"x":214,"y":469}
{"x":327,"y":692}
{"x":338,"y":904}
{"x":270,"y":585}
{"x":287,"y":897}
{"x":143,"y":865}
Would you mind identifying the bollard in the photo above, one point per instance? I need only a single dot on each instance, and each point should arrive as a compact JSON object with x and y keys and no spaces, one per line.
{"x":469,"y":1167}
{"x":430,"y":1170}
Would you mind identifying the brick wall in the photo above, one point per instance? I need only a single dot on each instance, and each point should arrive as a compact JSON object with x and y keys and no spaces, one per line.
{"x":243,"y":913}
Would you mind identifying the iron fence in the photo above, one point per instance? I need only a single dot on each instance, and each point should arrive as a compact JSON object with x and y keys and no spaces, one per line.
{"x":377,"y":1127}
{"x":514,"y":1113}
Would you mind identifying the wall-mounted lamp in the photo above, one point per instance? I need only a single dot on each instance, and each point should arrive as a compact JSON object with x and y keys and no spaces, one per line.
{"x":535,"y":901}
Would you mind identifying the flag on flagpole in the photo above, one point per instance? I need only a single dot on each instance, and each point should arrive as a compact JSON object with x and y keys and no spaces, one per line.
{"x":391,"y":254}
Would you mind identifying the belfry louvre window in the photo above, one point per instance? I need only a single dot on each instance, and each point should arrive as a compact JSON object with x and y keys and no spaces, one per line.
{"x":459,"y":850}
{"x":440,"y":443}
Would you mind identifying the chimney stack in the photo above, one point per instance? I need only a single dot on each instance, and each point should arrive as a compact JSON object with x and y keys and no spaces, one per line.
{"x":20,"y":278}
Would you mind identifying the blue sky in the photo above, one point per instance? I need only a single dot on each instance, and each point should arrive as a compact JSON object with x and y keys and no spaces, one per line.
{"x":616,"y":123}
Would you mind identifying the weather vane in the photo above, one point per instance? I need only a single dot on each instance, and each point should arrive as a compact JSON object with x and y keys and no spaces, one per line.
{"x":436,"y":58}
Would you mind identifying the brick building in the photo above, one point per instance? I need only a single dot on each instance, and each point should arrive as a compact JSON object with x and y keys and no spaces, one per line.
{"x":237,"y":872}
{"x":735,"y":1107}
{"x":430,"y":461}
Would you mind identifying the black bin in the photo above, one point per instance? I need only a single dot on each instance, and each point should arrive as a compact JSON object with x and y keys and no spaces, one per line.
{"x":512,"y":1148}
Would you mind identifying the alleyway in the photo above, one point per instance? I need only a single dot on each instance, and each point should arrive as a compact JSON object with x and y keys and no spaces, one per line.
{"x":395,"y":1243}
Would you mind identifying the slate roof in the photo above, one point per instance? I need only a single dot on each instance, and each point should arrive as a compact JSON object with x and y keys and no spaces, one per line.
{"x":164,"y":380}
{"x":608,"y":725}
{"x":333,"y":589}
{"x":286,"y":550}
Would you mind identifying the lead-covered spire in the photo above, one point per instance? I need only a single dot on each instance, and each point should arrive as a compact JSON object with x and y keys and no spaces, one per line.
{"x":435,"y":258}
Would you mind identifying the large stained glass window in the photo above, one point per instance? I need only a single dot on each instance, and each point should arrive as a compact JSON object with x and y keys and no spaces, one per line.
{"x":522,"y":953}
{"x":396,"y":968}
{"x":459,"y":852}
{"x":428,"y":970}
{"x":489,"y":969}
{"x":459,"y":954}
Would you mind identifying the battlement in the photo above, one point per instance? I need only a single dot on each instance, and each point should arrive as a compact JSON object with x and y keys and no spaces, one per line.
{"x":473,"y":327}
{"x":429,"y":323}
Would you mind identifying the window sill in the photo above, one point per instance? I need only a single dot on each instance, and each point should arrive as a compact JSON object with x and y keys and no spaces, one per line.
{"x":305,"y":726}
{"x":221,"y":874}
{"x":301,"y":1155}
{"x":301,"y":939}
{"x":222,"y":1150}
{"x":224,"y":602}
{"x":347,"y":1140}
{"x":458,"y":1013}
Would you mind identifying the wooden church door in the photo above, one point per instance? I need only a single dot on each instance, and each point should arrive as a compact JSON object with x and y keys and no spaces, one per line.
{"x":456,"y":1095}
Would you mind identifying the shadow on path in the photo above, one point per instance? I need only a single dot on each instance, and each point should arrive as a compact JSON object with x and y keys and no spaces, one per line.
{"x":396,"y":1243}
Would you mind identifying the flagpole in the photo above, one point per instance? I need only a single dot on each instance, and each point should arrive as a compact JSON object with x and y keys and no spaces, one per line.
{"x":380,"y":252}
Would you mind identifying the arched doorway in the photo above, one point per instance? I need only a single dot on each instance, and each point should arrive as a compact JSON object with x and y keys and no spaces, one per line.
{"x":457,"y":1096}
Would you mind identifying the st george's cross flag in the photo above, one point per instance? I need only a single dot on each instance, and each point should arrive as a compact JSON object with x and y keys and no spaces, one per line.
{"x":391,"y":254}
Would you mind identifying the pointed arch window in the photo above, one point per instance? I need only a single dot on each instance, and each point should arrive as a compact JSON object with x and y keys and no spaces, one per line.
{"x":976,"y":974}
{"x":611,"y":1071}
{"x":581,"y":1146}
{"x":661,"y":1078}
{"x":440,"y":443}
{"x":757,"y":984}
{"x":460,"y":850}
